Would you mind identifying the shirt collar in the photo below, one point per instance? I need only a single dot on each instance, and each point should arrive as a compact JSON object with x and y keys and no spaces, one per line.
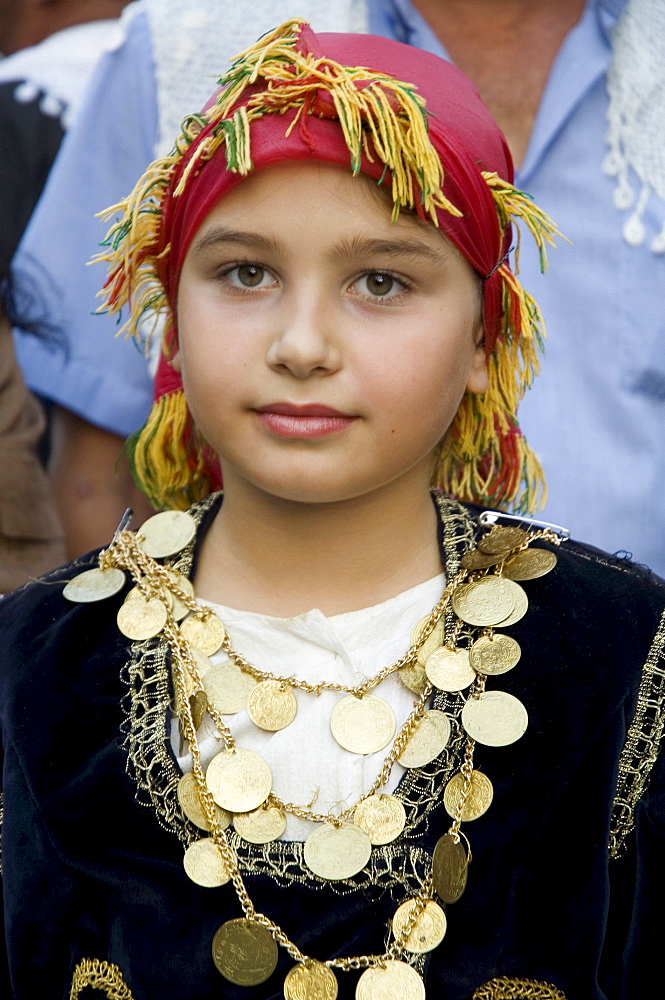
{"x":411,"y":28}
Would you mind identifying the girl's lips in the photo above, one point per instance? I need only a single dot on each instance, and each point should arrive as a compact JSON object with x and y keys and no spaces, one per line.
{"x":308,"y":421}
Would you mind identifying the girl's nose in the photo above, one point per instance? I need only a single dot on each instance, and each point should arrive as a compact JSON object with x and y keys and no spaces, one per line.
{"x":304,"y":342}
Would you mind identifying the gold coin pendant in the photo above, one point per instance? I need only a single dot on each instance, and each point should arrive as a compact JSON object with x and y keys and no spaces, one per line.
{"x":272,"y":705}
{"x":244,"y":952}
{"x":206,"y":632}
{"x":228,"y":687}
{"x":239,"y":779}
{"x":391,"y":981}
{"x":429,"y":929}
{"x":382,"y":817}
{"x":428,"y":739}
{"x":191,"y":805}
{"x":363,"y":725}
{"x":142,"y":618}
{"x":494,"y":654}
{"x":450,"y":867}
{"x":262,"y":825}
{"x":530,"y":564}
{"x":477,"y":559}
{"x":495,"y":719}
{"x":501,"y":540}
{"x":413,"y":676}
{"x":204,"y":864}
{"x":166,"y":533}
{"x":198,"y":706}
{"x":477,"y":801}
{"x":520,"y":607}
{"x":450,"y":669}
{"x":487,"y":601}
{"x":310,"y":980}
{"x":334,"y":853}
{"x":94,"y":585}
{"x":432,"y":642}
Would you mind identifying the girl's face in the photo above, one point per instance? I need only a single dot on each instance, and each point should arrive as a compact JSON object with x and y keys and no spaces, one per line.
{"x":324,"y":350}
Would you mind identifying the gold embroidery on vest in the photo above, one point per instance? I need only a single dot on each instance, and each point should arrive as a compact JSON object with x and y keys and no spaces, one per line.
{"x":100,"y":976}
{"x":640,"y":750}
{"x":506,"y":988}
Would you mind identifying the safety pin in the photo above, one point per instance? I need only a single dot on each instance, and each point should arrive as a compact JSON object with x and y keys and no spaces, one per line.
{"x":492,"y":516}
{"x":124,"y":523}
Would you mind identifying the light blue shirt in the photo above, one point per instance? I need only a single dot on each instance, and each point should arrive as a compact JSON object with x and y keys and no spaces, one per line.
{"x":596,"y":414}
{"x":78,"y":362}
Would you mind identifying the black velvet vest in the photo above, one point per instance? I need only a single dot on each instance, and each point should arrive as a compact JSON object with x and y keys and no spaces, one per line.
{"x":566,"y":882}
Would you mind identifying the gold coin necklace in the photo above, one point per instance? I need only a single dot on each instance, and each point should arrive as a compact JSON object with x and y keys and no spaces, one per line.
{"x":245,"y":950}
{"x":494,"y":718}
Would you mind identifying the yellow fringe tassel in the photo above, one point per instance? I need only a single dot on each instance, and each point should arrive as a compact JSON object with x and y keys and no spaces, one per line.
{"x":167,"y":455}
{"x":511,"y":204}
{"x":483,"y":442}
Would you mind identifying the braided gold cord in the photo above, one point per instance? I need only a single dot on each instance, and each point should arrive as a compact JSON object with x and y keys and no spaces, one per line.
{"x":506,"y":988}
{"x":103,"y":976}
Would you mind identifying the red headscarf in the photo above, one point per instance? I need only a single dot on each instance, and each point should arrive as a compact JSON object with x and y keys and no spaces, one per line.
{"x":341,"y":99}
{"x":462,"y":131}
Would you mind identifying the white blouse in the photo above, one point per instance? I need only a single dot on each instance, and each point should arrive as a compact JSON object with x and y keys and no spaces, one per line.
{"x":309,"y":767}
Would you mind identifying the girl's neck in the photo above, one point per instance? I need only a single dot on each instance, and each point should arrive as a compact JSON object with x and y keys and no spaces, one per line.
{"x":282,"y":558}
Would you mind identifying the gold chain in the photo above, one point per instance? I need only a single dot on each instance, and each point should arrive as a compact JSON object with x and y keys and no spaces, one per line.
{"x":152,"y":580}
{"x":358,"y":690}
{"x":399,"y":743}
{"x":155,"y":578}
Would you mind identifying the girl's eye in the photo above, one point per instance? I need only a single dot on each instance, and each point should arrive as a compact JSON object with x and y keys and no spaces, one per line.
{"x":249,"y":276}
{"x":379,"y":284}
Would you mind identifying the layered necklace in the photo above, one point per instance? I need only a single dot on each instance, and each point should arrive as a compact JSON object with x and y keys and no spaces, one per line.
{"x":455,"y":649}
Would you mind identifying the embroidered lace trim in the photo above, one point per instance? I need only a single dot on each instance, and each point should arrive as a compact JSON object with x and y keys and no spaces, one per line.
{"x":640,"y":750}
{"x":147,"y":708}
{"x":100,"y":976}
{"x":505,"y":988}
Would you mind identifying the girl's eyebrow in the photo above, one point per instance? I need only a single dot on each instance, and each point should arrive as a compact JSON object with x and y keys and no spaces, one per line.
{"x":357,"y":246}
{"x":362,"y":246}
{"x":221,"y":235}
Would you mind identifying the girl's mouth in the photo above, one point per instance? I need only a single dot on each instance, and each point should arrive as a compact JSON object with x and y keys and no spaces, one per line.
{"x":310,"y":420}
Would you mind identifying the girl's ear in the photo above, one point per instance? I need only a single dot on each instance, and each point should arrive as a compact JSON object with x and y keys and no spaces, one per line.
{"x":478,"y":380}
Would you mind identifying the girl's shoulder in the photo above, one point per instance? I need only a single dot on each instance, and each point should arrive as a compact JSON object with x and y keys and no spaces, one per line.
{"x":61,"y":658}
{"x":36,"y":601}
{"x":603,"y":572}
{"x":588,"y":602}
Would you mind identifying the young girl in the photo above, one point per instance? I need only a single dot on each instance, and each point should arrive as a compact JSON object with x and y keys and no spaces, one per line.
{"x":314,"y":739}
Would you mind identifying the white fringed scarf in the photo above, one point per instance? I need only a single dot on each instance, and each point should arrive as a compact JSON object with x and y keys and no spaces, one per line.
{"x":189,"y":59}
{"x":636,"y":117}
